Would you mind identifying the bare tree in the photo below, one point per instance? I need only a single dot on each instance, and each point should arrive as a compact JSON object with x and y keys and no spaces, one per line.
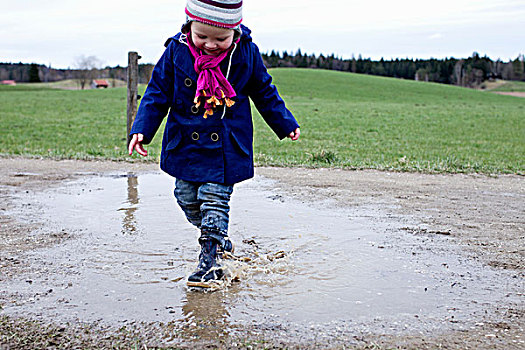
{"x":86,"y":67}
{"x":458,"y":73}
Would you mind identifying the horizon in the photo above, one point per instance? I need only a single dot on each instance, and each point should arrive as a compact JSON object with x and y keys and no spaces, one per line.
{"x":520,"y":55}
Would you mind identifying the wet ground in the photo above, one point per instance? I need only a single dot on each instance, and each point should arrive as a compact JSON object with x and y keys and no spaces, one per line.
{"x":309,"y":268}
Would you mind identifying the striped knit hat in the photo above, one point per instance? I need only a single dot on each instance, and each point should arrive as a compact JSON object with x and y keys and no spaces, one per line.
{"x":219,"y":13}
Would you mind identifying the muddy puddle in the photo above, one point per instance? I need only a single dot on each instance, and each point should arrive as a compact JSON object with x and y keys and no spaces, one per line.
{"x":305,"y":268}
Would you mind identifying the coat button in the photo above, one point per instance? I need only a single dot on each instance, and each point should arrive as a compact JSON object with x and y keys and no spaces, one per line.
{"x":194,"y":109}
{"x":195,"y":136}
{"x":214,"y":137}
{"x":188,"y":82}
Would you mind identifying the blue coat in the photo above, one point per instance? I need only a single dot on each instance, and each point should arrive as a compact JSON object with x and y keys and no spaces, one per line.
{"x":215,"y":149}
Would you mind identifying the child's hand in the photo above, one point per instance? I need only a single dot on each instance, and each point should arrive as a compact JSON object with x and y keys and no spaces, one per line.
{"x":294,"y":135}
{"x":136,"y":144}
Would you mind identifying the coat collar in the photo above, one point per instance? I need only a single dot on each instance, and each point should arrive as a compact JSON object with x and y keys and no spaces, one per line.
{"x":182,"y":57}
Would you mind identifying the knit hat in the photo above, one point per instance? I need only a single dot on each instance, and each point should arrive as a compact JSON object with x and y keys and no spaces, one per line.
{"x":219,"y":13}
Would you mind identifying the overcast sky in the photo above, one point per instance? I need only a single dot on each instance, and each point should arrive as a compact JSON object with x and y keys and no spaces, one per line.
{"x":58,"y":31}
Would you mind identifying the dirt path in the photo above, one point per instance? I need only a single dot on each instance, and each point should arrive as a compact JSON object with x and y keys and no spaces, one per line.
{"x":516,"y":93}
{"x":484,"y":215}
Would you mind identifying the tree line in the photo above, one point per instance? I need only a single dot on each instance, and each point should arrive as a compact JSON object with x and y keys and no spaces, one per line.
{"x":83,"y":74}
{"x":467,"y":72}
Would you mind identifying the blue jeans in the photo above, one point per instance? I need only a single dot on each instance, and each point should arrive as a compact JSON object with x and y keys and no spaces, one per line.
{"x":206,"y":205}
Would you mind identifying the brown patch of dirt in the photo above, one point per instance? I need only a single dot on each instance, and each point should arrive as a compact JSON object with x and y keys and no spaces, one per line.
{"x":514,"y":93}
{"x":484,"y":214}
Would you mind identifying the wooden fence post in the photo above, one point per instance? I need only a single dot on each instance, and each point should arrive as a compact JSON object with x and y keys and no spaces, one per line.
{"x":133,"y":76}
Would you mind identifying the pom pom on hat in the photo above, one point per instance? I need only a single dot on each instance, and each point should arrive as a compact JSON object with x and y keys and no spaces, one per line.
{"x":219,"y":13}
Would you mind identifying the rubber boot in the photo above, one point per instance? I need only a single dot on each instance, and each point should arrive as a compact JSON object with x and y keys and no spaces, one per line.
{"x":208,"y":270}
{"x":223,"y":243}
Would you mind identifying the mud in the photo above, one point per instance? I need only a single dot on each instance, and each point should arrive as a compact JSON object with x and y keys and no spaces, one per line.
{"x":327,"y":258}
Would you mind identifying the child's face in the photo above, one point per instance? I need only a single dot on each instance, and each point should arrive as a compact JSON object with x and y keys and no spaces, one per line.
{"x":212,"y":40}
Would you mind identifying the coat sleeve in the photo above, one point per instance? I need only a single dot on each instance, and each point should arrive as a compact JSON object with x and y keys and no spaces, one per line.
{"x":157,"y":99}
{"x":267,"y":99}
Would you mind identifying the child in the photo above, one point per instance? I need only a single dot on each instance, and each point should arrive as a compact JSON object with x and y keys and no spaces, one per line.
{"x":203,"y":82}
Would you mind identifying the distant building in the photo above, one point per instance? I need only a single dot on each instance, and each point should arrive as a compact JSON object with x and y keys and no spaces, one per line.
{"x":8,"y":82}
{"x":100,"y":84}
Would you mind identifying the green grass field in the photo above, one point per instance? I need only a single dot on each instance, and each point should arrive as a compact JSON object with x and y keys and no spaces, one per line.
{"x":347,"y":120}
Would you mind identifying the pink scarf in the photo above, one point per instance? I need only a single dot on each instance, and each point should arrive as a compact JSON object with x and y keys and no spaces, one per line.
{"x":212,"y":87}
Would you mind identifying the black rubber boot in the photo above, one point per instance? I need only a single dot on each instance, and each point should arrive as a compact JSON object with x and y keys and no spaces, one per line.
{"x":208,"y":269}
{"x":223,"y":243}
